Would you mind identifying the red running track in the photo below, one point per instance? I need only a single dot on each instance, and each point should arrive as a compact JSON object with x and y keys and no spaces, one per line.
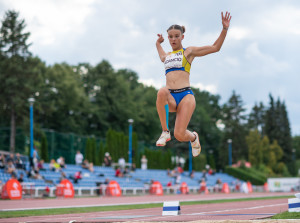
{"x":245,"y":210}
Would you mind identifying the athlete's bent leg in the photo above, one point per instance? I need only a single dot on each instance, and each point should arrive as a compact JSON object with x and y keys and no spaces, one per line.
{"x":164,"y":98}
{"x":164,"y":103}
{"x":184,"y":113}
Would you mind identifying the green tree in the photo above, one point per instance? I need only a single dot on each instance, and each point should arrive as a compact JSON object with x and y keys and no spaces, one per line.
{"x":277,"y":128}
{"x":62,"y":103}
{"x":234,"y":119}
{"x":296,"y":147}
{"x":15,"y":80}
{"x":256,"y":118}
{"x":255,"y":150}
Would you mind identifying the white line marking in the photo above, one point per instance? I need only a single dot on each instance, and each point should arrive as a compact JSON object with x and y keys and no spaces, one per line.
{"x":238,"y":209}
{"x":153,"y":202}
{"x":202,"y":213}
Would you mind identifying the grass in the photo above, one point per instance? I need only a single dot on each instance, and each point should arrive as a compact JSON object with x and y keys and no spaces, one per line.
{"x":58,"y":211}
{"x":287,"y":215}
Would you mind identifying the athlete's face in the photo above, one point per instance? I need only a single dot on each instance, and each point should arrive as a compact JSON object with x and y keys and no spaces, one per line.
{"x":175,"y":38}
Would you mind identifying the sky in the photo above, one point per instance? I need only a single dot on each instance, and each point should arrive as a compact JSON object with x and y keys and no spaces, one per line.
{"x":260,"y":55}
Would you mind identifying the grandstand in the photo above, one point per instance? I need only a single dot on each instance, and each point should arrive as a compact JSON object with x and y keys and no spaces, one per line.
{"x":137,"y":182}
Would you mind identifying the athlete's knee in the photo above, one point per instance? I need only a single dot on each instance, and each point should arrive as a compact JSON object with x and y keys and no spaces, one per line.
{"x":179,"y":135}
{"x":162,"y":93}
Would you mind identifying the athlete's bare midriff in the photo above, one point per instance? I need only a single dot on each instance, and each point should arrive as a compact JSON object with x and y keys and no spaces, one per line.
{"x":177,"y":79}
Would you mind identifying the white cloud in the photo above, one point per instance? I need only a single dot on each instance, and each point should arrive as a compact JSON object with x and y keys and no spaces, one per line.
{"x":266,"y":62}
{"x":152,"y":82}
{"x":282,"y":19}
{"x":48,"y":20}
{"x":232,"y":61}
{"x":210,"y":88}
{"x":238,"y":33}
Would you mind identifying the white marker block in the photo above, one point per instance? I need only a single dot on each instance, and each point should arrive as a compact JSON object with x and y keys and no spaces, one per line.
{"x":171,"y":208}
{"x":294,"y":205}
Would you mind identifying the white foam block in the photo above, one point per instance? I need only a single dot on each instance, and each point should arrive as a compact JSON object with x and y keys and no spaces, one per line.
{"x":171,"y":208}
{"x":294,"y":205}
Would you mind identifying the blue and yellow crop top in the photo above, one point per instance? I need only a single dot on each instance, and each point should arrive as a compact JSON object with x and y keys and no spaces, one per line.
{"x":177,"y":61}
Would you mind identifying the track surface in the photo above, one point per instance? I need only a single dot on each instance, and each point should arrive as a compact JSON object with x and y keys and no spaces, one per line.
{"x":246,"y":210}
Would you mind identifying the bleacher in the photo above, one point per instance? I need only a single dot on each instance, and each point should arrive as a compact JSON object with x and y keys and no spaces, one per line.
{"x":139,"y":180}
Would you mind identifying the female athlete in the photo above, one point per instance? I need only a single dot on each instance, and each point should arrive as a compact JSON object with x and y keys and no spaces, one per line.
{"x":177,"y":95}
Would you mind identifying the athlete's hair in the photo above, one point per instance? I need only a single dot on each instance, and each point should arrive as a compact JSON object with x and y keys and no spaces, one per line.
{"x":181,"y":28}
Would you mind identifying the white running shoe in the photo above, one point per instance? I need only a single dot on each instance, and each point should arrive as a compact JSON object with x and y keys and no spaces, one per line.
{"x":196,"y":147}
{"x":164,"y":138}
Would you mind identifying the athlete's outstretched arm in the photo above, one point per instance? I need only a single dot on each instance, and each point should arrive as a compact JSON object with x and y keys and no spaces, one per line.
{"x":202,"y":51}
{"x":162,"y":54}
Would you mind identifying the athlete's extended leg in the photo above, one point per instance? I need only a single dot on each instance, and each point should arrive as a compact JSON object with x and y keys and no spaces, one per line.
{"x":164,"y":103}
{"x":185,"y":111}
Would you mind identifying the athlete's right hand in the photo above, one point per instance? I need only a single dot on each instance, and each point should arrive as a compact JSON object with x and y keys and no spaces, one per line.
{"x":160,"y":38}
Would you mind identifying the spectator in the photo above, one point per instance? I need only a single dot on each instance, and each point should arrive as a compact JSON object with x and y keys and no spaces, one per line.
{"x":177,"y":177}
{"x":35,"y":160}
{"x":54,"y":166}
{"x":126,"y":172}
{"x":10,"y":167}
{"x":41,"y":165}
{"x":192,"y":174}
{"x":211,"y":171}
{"x":2,"y":161}
{"x":107,"y":159}
{"x":35,"y":153}
{"x":169,"y":184}
{"x":91,"y":167}
{"x":133,"y":167}
{"x":122,"y":163}
{"x":204,"y":175}
{"x":218,"y":185}
{"x":61,"y":162}
{"x":237,"y":184}
{"x":19,"y":162}
{"x":181,"y":162}
{"x":202,"y":186}
{"x":169,"y":173}
{"x":77,"y":177}
{"x":78,"y":158}
{"x":118,"y":172}
{"x":144,"y":162}
{"x":34,"y":173}
{"x":180,"y":170}
{"x":85,"y":164}
{"x":21,"y":178}
{"x":11,"y":158}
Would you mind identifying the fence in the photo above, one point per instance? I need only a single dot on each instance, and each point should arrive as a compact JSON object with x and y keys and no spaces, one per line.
{"x":59,"y":144}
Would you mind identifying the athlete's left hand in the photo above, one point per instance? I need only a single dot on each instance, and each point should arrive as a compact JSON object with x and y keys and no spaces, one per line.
{"x":226,"y":20}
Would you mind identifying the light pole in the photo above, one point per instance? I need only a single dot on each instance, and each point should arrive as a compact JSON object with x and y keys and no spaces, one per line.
{"x":31,"y":101}
{"x":229,"y":152}
{"x":130,"y":121}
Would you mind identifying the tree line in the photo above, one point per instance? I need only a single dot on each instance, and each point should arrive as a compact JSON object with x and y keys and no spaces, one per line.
{"x":94,"y":100}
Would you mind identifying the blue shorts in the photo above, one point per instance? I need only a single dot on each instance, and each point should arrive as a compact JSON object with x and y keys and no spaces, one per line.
{"x":179,"y":94}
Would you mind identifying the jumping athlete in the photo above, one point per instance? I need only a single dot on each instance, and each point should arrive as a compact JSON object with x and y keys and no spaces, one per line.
{"x":177,"y":95}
